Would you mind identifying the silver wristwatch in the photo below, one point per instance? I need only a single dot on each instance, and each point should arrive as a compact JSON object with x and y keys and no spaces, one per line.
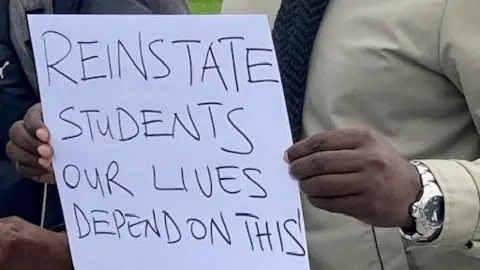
{"x":428,"y":211}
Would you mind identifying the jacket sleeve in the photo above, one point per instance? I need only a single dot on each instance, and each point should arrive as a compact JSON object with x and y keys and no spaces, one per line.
{"x":459,"y":53}
{"x":16,"y":95}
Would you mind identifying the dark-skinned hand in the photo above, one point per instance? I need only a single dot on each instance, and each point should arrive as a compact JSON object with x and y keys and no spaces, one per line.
{"x":356,"y":173}
{"x":24,"y":246}
{"x":29,"y":147}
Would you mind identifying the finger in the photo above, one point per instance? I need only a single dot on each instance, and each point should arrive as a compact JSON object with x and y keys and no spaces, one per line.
{"x":333,"y":185}
{"x":329,"y":162}
{"x":48,"y":178}
{"x":19,"y":136}
{"x":30,"y":172}
{"x":45,"y":151}
{"x":328,"y":141}
{"x":20,"y":155}
{"x":34,"y":122}
{"x":350,"y":205}
{"x":45,"y":163}
{"x":43,"y":135}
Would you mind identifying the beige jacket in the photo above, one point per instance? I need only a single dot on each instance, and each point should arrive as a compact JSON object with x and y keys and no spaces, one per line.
{"x":268,"y":7}
{"x":411,"y":70}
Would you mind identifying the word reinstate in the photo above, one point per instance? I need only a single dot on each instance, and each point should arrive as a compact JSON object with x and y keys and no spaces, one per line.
{"x":169,"y":133}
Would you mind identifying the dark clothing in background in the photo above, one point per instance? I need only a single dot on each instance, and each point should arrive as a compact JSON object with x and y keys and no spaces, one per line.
{"x":18,"y":196}
{"x":302,"y":17}
{"x":23,"y":197}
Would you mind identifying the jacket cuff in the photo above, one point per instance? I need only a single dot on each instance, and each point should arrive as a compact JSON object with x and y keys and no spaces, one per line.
{"x":58,"y":228}
{"x":462,"y":205}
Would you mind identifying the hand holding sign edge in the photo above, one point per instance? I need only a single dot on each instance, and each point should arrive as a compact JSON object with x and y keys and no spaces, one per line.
{"x":29,"y":147}
{"x":356,"y":173}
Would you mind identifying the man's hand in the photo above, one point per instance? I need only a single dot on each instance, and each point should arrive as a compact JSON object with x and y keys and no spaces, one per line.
{"x":29,"y":147}
{"x":24,"y":246}
{"x":356,"y":173}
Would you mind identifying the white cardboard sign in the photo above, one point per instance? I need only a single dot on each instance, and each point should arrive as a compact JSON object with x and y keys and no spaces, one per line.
{"x":169,"y":134}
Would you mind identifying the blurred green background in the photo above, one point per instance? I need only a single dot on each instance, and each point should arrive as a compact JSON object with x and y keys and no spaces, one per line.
{"x":206,"y":6}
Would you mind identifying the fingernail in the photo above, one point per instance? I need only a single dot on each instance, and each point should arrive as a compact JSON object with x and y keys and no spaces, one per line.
{"x":285,"y":158}
{"x":45,"y":151}
{"x":44,"y":163}
{"x":42,"y":134}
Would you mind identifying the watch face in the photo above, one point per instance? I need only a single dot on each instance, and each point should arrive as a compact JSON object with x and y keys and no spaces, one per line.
{"x":434,"y":211}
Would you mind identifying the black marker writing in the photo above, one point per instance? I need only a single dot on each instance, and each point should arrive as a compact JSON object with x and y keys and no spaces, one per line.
{"x":54,"y":64}
{"x":189,"y":54}
{"x":251,"y":66}
{"x":161,"y":224}
{"x":87,"y":113}
{"x":151,"y":59}
{"x":168,"y":71}
{"x":243,"y":135}
{"x":126,"y":125}
{"x":62,"y":117}
{"x":73,"y":176}
{"x":234,"y":60}
{"x":266,"y":235}
{"x":174,"y":235}
{"x":230,"y":66}
{"x":215,"y":66}
{"x":136,"y":226}
{"x":84,"y":59}
{"x":208,"y":181}
{"x":121,"y":125}
{"x":210,"y":113}
{"x":141,"y":68}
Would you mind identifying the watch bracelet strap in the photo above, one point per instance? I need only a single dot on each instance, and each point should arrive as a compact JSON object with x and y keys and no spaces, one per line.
{"x":413,"y":228}
{"x":426,"y":176}
{"x":411,"y":233}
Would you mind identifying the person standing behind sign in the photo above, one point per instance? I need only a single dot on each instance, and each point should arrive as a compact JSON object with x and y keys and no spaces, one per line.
{"x":376,"y":85}
{"x":384,"y":104}
{"x":23,"y":244}
{"x":370,"y":86}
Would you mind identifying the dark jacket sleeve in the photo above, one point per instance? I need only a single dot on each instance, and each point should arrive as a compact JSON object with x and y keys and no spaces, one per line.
{"x":24,"y":198}
{"x":17,"y":197}
{"x":16,"y":96}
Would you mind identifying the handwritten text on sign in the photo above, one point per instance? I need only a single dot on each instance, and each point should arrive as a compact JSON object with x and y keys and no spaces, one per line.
{"x":169,"y":133}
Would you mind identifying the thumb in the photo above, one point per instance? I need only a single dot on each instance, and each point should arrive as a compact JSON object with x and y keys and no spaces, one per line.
{"x":33,"y":121}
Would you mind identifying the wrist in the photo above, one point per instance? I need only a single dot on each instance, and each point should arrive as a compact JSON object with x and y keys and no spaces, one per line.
{"x":59,"y":251}
{"x":413,"y":194}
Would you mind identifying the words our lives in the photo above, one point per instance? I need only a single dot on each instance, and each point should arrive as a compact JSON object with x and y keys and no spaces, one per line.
{"x":169,"y":138}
